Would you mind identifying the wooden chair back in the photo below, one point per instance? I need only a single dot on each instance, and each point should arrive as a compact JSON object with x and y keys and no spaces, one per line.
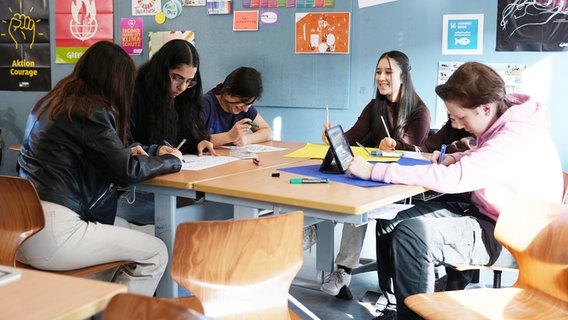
{"x":240,"y":269}
{"x":536,"y":234}
{"x":134,"y":306}
{"x":21,"y":216}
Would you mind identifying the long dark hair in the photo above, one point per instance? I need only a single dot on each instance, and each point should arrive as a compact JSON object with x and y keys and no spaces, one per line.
{"x":104,"y":76}
{"x":407,"y":104}
{"x":172,"y":118}
{"x":473,"y":84}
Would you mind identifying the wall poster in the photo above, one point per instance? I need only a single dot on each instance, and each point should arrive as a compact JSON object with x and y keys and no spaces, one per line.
{"x":532,"y":25}
{"x":462,"y":34}
{"x":25,"y":60}
{"x":323,"y":32}
{"x":79,"y":24}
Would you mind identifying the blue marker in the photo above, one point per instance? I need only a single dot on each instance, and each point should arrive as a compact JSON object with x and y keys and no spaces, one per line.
{"x":442,"y":153}
{"x":165,"y":142}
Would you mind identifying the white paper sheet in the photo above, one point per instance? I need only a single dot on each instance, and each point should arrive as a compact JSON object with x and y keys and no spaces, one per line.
{"x":194,"y":162}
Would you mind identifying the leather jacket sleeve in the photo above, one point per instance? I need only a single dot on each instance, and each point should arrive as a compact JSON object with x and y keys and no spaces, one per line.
{"x":80,"y":162}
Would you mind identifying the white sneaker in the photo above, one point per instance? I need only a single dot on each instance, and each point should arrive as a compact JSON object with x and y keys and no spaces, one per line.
{"x":335,"y":281}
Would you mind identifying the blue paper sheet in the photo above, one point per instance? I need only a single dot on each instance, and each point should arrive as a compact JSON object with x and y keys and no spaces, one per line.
{"x":313,"y":171}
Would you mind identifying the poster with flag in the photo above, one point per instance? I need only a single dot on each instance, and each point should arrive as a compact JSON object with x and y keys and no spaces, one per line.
{"x":79,"y":24}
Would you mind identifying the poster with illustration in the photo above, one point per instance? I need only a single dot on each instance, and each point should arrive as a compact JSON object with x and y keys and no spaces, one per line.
{"x":146,"y":7}
{"x":79,"y":24}
{"x":532,"y":25}
{"x":157,"y":39}
{"x":25,"y":63}
{"x":462,"y":34}
{"x":322,"y":32}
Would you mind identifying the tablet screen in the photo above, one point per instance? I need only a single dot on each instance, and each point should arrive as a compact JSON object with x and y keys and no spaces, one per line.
{"x":339,"y":147}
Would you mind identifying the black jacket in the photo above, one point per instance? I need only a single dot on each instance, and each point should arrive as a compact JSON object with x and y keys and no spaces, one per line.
{"x":79,"y":163}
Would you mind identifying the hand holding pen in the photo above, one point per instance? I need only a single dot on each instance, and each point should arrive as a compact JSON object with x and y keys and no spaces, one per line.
{"x":387,"y":143}
{"x":326,"y":125}
{"x":169,"y":149}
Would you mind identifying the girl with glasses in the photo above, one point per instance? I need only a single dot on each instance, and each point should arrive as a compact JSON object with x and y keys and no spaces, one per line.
{"x":229,"y":113}
{"x":166,"y":110}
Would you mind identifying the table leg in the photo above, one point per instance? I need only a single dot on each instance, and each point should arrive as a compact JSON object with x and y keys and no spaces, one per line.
{"x":165,"y":229}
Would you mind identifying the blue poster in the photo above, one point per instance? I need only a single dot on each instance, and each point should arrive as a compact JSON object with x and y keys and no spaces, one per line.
{"x":462,"y":34}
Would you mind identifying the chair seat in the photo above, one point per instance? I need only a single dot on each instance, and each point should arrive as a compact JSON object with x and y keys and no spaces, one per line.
{"x":487,"y":303}
{"x":82,"y":272}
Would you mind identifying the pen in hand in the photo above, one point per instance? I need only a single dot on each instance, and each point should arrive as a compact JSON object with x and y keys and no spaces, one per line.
{"x":180,"y":144}
{"x":442,"y":153}
{"x":166,"y":143}
{"x":253,"y":124}
{"x":386,"y":128}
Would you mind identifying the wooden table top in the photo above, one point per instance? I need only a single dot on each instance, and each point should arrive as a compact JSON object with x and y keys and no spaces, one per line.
{"x":185,"y":179}
{"x":44,"y":295}
{"x":334,"y":197}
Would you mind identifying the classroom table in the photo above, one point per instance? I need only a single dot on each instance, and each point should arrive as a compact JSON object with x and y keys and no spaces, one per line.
{"x":245,"y":188}
{"x":333,"y":202}
{"x":167,"y":188}
{"x":45,"y":295}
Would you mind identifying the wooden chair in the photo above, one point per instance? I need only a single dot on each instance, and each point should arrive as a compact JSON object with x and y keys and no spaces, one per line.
{"x":536,"y":233}
{"x":498,"y":270}
{"x":239,"y":269}
{"x":21,"y":216}
{"x":133,"y":306}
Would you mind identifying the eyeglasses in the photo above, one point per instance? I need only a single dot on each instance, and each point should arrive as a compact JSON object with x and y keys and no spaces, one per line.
{"x":242,"y":101}
{"x":179,"y":81}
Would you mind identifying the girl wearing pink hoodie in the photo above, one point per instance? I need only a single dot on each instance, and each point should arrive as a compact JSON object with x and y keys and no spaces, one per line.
{"x":515,"y":155}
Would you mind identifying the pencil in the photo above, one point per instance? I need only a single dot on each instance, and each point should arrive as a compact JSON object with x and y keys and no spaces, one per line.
{"x":180,"y":144}
{"x":386,"y":128}
{"x":326,"y":114}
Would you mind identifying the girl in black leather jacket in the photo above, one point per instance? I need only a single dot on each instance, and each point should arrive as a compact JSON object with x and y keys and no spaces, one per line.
{"x":75,"y":152}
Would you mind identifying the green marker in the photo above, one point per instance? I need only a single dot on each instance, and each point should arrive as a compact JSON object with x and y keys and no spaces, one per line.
{"x":308,"y":180}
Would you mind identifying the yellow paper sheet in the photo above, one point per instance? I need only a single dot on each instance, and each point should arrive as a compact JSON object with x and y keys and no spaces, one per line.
{"x":318,"y":151}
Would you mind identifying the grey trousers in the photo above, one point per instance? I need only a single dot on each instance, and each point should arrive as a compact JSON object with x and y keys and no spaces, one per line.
{"x":351,"y":245}
{"x":413,"y":244}
{"x":67,"y":242}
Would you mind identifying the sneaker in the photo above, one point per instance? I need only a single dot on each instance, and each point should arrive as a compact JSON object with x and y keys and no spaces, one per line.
{"x":310,"y":237}
{"x":382,"y":303}
{"x":335,"y":281}
{"x":389,"y":313}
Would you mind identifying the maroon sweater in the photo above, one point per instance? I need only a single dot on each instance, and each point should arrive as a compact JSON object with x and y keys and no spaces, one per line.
{"x":415,"y":133}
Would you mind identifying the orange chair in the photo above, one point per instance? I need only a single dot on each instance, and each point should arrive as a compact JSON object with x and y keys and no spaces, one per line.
{"x":239,"y":269}
{"x":498,"y":270}
{"x":21,"y":216}
{"x":536,"y":234}
{"x":133,"y":306}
